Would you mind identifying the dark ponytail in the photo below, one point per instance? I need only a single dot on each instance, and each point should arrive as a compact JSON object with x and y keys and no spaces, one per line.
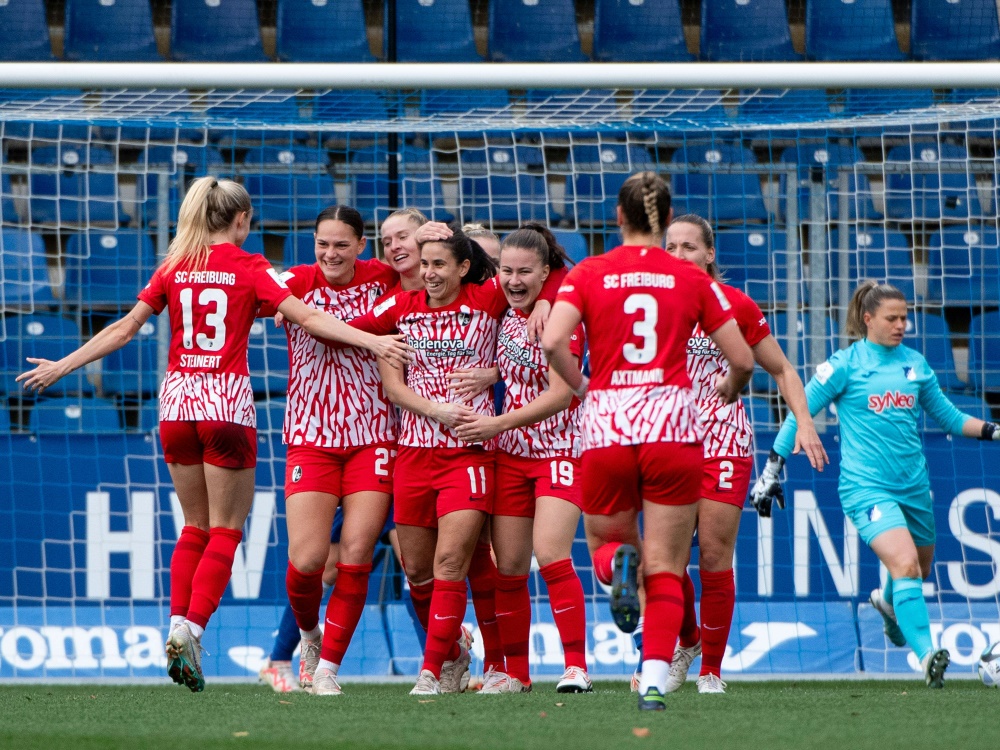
{"x":867,"y":299}
{"x":538,"y":238}
{"x":481,"y":265}
{"x":346,"y":214}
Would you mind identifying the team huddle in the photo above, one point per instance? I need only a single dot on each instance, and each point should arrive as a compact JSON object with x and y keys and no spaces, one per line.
{"x":392,"y":427}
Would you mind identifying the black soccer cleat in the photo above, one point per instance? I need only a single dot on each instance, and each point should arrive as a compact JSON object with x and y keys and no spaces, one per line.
{"x":625,"y":588}
{"x":652,"y":700}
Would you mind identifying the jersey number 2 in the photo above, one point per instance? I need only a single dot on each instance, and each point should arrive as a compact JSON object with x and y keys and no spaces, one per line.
{"x":644,"y":329}
{"x":725,"y":474}
{"x":216,"y":318}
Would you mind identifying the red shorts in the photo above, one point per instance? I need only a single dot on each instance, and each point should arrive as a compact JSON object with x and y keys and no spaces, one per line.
{"x":433,"y":482}
{"x":727,"y":479}
{"x":620,"y":477}
{"x":225,"y":444}
{"x":520,"y":481}
{"x":339,"y":471}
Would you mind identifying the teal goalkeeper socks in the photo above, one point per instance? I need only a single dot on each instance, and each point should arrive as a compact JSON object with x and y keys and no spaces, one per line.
{"x":911,"y":614}
{"x":887,"y":589}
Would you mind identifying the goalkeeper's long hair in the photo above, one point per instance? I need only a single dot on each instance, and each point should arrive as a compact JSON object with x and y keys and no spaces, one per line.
{"x":867,"y":299}
{"x":210,"y":206}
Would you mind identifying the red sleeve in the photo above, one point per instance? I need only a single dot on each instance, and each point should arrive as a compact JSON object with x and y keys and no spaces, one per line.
{"x":154,"y":293}
{"x":716,"y":309}
{"x":550,"y":289}
{"x":577,"y":343}
{"x":298,"y":280}
{"x":382,"y":318}
{"x":268,"y":286}
{"x":572,"y":286}
{"x":489,"y":297}
{"x":753,"y":325}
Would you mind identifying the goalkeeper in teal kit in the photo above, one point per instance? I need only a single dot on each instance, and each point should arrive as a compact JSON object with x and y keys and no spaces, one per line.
{"x":879,"y":388}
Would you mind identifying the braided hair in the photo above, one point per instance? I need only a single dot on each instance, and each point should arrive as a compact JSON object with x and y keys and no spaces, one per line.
{"x":645,"y":202}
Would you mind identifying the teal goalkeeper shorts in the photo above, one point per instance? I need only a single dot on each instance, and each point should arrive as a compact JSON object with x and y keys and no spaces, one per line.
{"x":875,"y":512}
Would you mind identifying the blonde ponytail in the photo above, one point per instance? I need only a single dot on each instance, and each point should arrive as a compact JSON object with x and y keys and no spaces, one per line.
{"x":210,"y":206}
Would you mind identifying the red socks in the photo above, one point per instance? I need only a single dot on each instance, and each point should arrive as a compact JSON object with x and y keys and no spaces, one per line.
{"x":689,"y":626}
{"x":483,"y":582}
{"x":305,"y":592}
{"x":343,"y":611}
{"x":514,"y":623}
{"x":420,"y":596}
{"x":604,"y":556}
{"x":183,"y":563}
{"x":213,"y":574}
{"x":446,"y":615}
{"x":568,"y":610}
{"x":718,"y":598}
{"x":664,"y":612}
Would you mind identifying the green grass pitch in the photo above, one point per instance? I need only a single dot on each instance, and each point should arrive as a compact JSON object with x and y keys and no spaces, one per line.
{"x":845,"y":715}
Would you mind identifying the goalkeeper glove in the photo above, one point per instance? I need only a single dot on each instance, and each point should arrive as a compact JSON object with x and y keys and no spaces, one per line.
{"x":991,"y":431}
{"x":768,"y":487}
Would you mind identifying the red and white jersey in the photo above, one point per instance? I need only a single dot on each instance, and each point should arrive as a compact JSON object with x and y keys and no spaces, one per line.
{"x":335,"y":396}
{"x":462,"y":334}
{"x":727,"y":427}
{"x":639,"y":306}
{"x":211,"y":311}
{"x":526,"y":374}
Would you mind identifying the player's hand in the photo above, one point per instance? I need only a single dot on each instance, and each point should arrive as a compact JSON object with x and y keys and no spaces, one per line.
{"x":806,"y":439}
{"x":431,"y":231}
{"x":478,"y":430}
{"x":536,"y":321}
{"x":767,"y":488}
{"x":452,"y":415}
{"x":467,"y":382}
{"x":393,"y":349}
{"x":279,"y":320}
{"x":45,"y":374}
{"x":726,"y":389}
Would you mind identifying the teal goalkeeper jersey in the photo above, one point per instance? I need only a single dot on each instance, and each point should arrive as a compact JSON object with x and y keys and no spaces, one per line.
{"x":878,"y":392}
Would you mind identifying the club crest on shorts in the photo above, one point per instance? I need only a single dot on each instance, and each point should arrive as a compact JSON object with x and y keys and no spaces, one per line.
{"x":874,"y":514}
{"x":464,"y":315}
{"x":296,"y":473}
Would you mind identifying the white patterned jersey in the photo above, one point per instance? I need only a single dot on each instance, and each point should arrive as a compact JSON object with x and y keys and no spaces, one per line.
{"x":525,"y":372}
{"x":211,"y":311}
{"x":462,"y":334}
{"x":639,"y":306}
{"x":727,"y":427}
{"x":335,"y":395}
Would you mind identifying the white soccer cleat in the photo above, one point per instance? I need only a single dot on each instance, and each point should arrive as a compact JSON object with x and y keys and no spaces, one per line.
{"x":935,"y":664}
{"x":499,"y":682}
{"x":278,"y":675}
{"x":680,"y":665}
{"x":889,"y":624}
{"x":324,"y":682}
{"x":711,"y":684}
{"x":427,"y":684}
{"x":574,"y":680}
{"x":184,"y":658}
{"x":491,"y":677}
{"x":455,"y":674}
{"x":308,"y":661}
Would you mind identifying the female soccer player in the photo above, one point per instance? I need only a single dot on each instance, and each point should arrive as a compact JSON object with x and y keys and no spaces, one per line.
{"x":878,"y":385}
{"x":640,"y":421}
{"x":443,"y":486}
{"x":537,"y":471}
{"x":400,"y":246}
{"x":487,"y":239}
{"x":340,"y":429}
{"x":212,"y":290}
{"x":728,"y":460}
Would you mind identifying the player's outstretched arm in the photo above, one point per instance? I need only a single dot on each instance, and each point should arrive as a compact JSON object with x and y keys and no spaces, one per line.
{"x":734,"y":348}
{"x":110,"y":339}
{"x":562,"y":322}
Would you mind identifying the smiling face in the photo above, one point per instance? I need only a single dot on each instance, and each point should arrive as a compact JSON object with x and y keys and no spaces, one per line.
{"x":887,"y":325}
{"x":522,"y":274}
{"x":685,"y":241}
{"x":337,"y":249}
{"x":401,"y":250}
{"x":442,"y":274}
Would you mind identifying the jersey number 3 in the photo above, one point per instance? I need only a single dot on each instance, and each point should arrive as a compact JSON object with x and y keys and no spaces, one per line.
{"x":644,"y":328}
{"x":215,"y":318}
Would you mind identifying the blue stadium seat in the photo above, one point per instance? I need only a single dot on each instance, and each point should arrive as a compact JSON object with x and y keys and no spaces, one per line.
{"x":75,"y":184}
{"x":107,"y":269}
{"x":180,"y":161}
{"x":116,"y":31}
{"x":248,"y":107}
{"x":503,"y":184}
{"x":760,"y":411}
{"x":746,"y":30}
{"x":419,"y":184}
{"x":718,"y":196}
{"x":963,"y":265}
{"x":134,"y":370}
{"x":215,"y":31}
{"x":25,"y":271}
{"x":4,"y":417}
{"x":300,"y":249}
{"x":598,"y":174}
{"x":454,"y":101}
{"x":90,"y":416}
{"x":24,"y":32}
{"x":8,"y":211}
{"x":755,"y":260}
{"x":935,"y":194}
{"x":779,"y":323}
{"x":46,"y":337}
{"x":830,"y":158}
{"x":534,"y":31}
{"x":437,"y":31}
{"x":267,"y":358}
{"x":643,"y":31}
{"x":929,"y":334}
{"x":875,"y":253}
{"x":573,"y":243}
{"x":848,"y":30}
{"x":954,"y":30}
{"x":984,"y":352}
{"x":351,"y":106}
{"x":322,"y":32}
{"x":877,"y":101}
{"x":288,"y":185}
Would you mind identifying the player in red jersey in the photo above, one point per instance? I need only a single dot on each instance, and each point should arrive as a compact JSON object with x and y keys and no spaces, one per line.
{"x":401,"y":248}
{"x":443,"y":486}
{"x":641,"y":435}
{"x":537,"y":506}
{"x":340,"y":429}
{"x":728,"y":460}
{"x":212,"y":290}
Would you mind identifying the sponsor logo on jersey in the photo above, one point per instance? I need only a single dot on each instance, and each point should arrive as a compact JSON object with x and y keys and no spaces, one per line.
{"x":296,"y":473}
{"x":702,"y":346}
{"x":274,"y":275}
{"x":516,"y":351}
{"x":890,"y":400}
{"x":442,"y":347}
{"x":823,"y":372}
{"x":381,"y":308}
